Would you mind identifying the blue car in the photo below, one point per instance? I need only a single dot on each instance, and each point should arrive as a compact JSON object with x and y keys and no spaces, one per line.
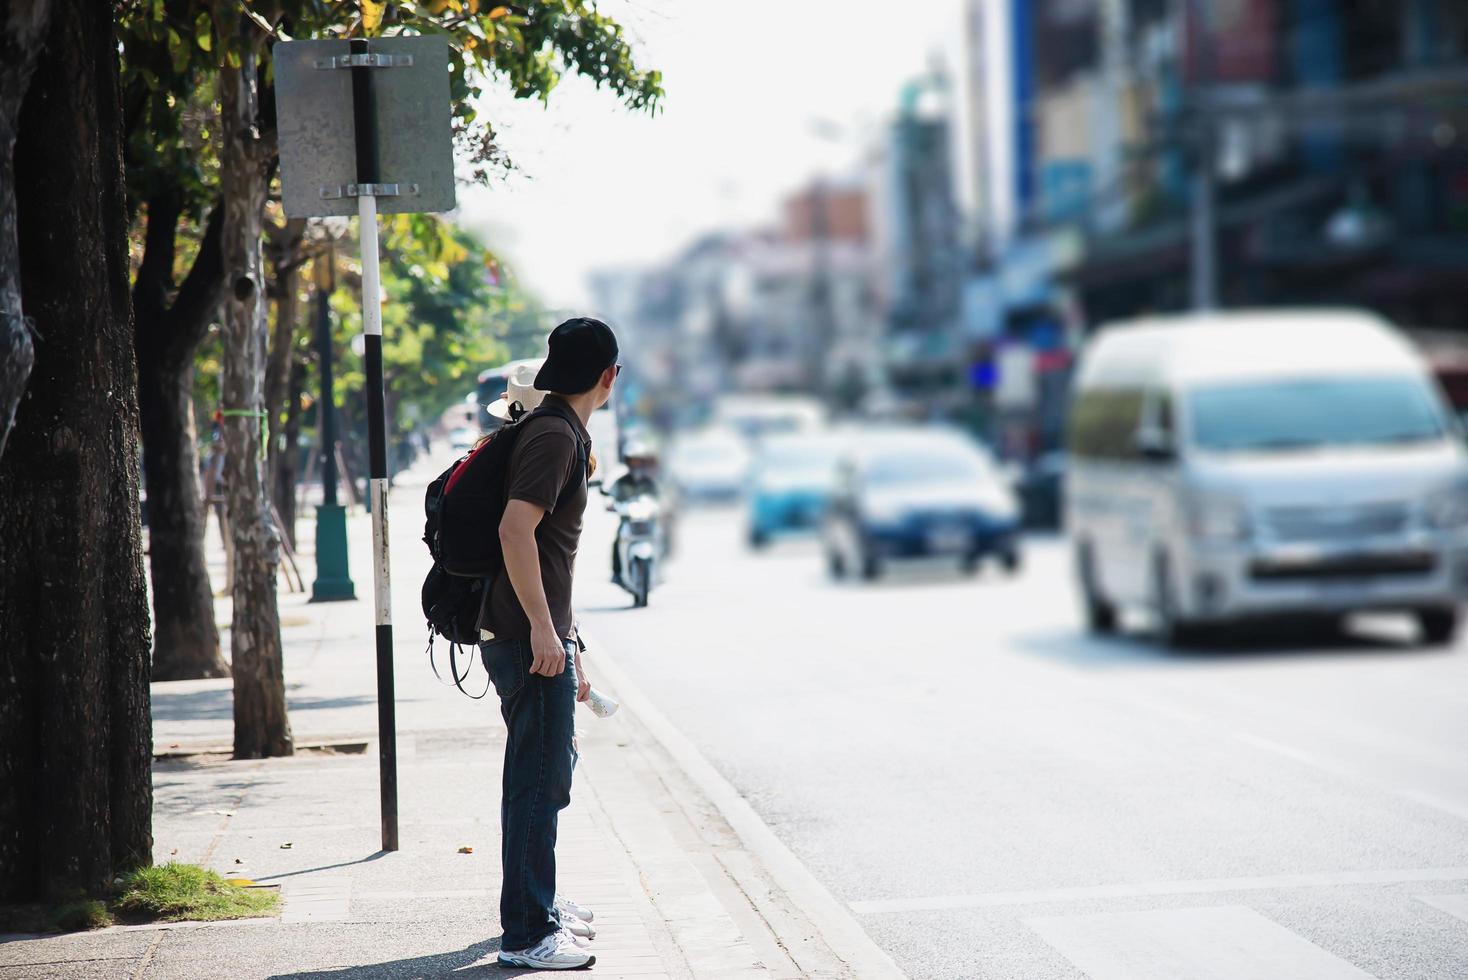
{"x":920,"y":493}
{"x":790,"y":486}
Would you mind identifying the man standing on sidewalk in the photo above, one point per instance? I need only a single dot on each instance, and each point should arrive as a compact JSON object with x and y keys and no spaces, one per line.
{"x":533,"y":658}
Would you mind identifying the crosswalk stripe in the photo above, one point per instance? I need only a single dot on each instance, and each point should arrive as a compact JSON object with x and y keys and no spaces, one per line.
{"x":1227,"y":942}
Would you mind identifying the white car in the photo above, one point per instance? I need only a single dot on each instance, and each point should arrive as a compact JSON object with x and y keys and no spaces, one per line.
{"x":710,"y":466}
{"x":462,"y":438}
{"x":1235,"y":465}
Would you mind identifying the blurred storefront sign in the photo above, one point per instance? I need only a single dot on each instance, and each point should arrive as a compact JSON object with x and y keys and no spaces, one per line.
{"x":1029,"y":269}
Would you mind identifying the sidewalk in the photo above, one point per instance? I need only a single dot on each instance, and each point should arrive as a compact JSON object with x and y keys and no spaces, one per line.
{"x":677,"y":893}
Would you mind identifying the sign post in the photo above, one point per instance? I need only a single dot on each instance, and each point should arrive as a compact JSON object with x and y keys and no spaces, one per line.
{"x":335,"y":101}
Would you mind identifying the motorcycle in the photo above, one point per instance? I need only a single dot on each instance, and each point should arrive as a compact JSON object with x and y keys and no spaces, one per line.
{"x":637,"y":545}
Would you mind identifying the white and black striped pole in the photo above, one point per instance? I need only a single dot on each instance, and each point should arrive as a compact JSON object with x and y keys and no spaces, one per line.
{"x":364,"y":112}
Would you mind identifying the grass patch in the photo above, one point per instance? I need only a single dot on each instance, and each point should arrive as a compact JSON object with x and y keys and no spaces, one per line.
{"x":167,"y":893}
{"x":187,"y":893}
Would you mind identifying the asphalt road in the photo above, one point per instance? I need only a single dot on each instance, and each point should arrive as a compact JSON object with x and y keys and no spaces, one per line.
{"x":995,"y":794}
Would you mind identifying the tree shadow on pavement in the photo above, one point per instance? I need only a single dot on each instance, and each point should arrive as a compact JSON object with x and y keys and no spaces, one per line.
{"x":475,"y":960}
{"x":218,"y":703}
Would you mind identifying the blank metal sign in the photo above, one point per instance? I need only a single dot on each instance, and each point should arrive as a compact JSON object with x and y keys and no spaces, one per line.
{"x":318,"y":156}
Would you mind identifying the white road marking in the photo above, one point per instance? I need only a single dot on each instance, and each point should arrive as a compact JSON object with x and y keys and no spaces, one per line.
{"x":1338,"y":769}
{"x":1455,"y":905}
{"x":1200,"y":886}
{"x":1299,"y":755}
{"x":1219,"y":943}
{"x":1435,"y":801}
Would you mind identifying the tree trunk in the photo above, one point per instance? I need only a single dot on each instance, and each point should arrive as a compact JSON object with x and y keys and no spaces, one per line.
{"x":290,"y":460}
{"x":75,"y":780}
{"x":261,"y":727}
{"x":185,"y":637}
{"x":22,"y":27}
{"x":284,"y":290}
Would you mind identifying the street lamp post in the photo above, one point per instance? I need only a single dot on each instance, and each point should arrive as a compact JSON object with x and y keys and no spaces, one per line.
{"x":333,"y":579}
{"x":1204,"y":265}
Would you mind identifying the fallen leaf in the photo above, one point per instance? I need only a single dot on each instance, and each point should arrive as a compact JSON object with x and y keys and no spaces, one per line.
{"x":466,"y":850}
{"x":286,"y":846}
{"x":240,"y":882}
{"x":238,"y":861}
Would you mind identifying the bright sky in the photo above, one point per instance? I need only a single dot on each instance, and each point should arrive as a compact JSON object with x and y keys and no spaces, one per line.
{"x":747,"y":89}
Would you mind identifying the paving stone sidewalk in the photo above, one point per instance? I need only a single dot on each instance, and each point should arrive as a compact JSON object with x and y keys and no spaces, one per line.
{"x":675,"y":891}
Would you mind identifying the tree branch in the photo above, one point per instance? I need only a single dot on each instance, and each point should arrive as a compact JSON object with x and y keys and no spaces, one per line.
{"x":203,"y":288}
{"x":155,"y":273}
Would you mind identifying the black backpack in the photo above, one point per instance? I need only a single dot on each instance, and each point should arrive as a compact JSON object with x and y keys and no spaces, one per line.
{"x":463,"y":508}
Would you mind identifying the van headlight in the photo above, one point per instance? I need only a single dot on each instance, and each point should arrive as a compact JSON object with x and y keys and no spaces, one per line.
{"x":1218,"y":518}
{"x":1447,"y":509}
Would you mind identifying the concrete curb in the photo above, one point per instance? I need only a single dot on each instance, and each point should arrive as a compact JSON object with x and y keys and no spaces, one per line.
{"x":840,"y":930}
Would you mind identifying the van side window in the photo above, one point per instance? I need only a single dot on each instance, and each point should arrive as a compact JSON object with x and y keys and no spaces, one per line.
{"x":1104,"y":423}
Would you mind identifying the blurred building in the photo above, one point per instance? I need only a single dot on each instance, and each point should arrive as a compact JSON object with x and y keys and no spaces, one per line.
{"x":787,"y":308}
{"x":1335,"y":133}
{"x":918,"y":245}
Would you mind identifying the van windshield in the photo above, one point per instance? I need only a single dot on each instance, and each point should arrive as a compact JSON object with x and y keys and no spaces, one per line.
{"x":1314,"y":413}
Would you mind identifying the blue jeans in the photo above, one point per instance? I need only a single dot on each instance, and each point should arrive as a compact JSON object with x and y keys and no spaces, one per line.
{"x":539,"y":715}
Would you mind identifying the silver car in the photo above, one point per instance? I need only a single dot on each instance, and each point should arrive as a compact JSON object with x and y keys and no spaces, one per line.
{"x":1249,"y":464}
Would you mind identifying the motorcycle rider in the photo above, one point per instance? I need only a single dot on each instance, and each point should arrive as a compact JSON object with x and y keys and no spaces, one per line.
{"x":639,"y":480}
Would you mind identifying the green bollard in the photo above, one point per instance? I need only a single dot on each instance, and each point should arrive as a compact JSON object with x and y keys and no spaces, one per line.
{"x":333,"y":581}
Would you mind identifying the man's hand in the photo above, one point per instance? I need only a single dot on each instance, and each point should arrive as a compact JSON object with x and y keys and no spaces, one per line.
{"x":583,"y":686}
{"x":548,"y":656}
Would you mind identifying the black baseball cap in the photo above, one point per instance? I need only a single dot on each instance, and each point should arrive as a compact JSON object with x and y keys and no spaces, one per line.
{"x":581,"y":348}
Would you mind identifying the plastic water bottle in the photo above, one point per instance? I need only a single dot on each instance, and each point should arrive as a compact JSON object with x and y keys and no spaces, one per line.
{"x":602,"y":705}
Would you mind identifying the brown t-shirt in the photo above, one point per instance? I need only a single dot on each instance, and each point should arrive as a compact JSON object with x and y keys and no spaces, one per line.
{"x":546,"y":470}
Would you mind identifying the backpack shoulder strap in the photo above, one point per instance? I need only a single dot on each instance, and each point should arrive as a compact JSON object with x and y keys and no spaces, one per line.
{"x":575,"y":424}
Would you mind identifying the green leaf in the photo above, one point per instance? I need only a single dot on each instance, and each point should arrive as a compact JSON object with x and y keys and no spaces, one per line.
{"x":178,"y":52}
{"x":372,"y":11}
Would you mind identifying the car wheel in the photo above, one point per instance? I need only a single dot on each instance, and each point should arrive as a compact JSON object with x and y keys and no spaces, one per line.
{"x":1100,"y":614}
{"x":835,"y":564}
{"x":758,"y":539}
{"x":1010,"y":561}
{"x":1439,"y":626}
{"x":1172,"y":629}
{"x":871,"y":567}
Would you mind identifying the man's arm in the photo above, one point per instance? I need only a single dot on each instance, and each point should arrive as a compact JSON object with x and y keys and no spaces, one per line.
{"x":522,"y":562}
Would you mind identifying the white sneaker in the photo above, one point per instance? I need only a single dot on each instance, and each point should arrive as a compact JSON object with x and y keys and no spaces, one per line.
{"x":576,"y":927}
{"x":581,"y":912}
{"x":558,"y":951}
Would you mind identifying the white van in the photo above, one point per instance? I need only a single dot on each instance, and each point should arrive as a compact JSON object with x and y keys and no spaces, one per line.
{"x":1240,"y":464}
